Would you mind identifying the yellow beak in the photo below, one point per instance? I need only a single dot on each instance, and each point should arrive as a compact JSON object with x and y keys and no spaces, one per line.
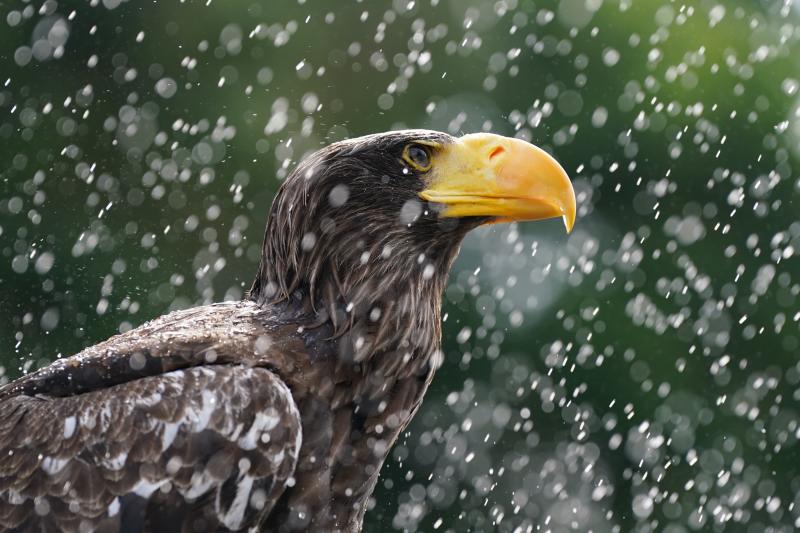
{"x":493,"y":176}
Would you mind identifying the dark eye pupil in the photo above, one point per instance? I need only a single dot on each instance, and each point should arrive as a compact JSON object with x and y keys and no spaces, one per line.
{"x":419,"y":156}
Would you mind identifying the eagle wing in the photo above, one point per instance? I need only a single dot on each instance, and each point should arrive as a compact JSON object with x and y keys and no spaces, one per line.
{"x":195,"y":449}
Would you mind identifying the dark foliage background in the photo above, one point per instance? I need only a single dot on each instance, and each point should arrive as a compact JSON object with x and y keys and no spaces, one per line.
{"x":639,"y":374}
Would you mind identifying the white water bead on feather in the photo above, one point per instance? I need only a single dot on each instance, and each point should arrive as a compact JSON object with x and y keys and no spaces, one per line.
{"x":339,"y":195}
{"x":69,"y":426}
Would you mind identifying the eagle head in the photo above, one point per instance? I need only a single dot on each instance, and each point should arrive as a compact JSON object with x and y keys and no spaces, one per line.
{"x":393,"y":207}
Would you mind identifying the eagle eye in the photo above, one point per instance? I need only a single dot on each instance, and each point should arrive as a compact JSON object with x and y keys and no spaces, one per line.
{"x":418,"y":156}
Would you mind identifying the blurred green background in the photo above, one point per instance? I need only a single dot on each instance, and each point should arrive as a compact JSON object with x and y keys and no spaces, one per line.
{"x":640,"y":374}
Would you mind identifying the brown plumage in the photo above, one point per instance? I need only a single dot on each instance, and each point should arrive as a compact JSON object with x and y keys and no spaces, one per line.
{"x":276,"y":412}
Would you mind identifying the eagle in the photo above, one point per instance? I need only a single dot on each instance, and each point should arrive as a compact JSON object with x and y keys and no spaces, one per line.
{"x":275,"y":413}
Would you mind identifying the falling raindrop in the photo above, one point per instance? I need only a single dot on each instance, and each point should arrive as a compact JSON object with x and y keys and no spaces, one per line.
{"x":639,"y":374}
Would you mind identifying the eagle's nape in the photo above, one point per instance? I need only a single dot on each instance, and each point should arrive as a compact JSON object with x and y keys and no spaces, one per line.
{"x":276,"y":412}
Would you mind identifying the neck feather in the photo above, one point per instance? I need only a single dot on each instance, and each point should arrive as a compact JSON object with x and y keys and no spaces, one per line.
{"x":378,"y":289}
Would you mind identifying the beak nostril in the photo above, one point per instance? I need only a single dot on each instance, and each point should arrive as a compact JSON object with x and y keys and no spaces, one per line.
{"x":496,"y":151}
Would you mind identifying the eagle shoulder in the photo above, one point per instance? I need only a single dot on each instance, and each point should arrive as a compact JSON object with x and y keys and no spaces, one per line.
{"x":224,"y":333}
{"x":204,"y":447}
